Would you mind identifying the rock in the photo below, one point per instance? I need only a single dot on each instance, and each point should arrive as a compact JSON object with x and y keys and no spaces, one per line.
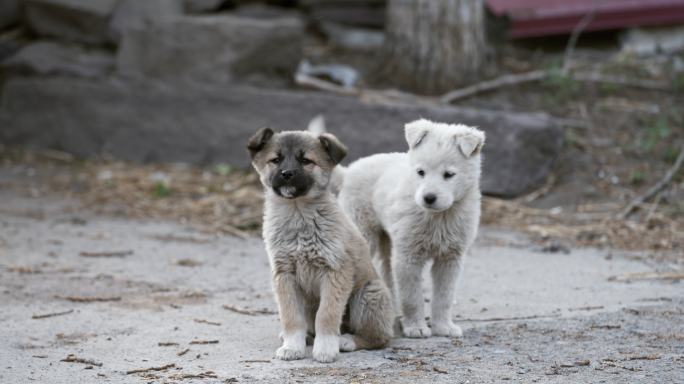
{"x":368,"y":13}
{"x":52,"y":58}
{"x":205,"y":124}
{"x":263,"y":11}
{"x":212,"y":48}
{"x":76,"y":20}
{"x":201,"y":6}
{"x":650,"y":41}
{"x":9,"y":13}
{"x":389,"y":356}
{"x":247,"y":376}
{"x":136,"y":13}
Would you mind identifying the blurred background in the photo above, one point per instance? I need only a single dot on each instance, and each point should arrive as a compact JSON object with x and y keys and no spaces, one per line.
{"x":142,"y":108}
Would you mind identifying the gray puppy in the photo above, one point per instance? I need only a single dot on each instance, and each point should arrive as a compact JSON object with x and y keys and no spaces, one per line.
{"x":322,"y":273}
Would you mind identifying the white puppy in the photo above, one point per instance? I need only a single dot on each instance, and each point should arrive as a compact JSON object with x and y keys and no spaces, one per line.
{"x":419,"y":206}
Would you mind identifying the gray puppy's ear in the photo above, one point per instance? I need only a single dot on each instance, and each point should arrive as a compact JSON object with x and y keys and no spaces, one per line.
{"x":335,"y":149}
{"x":257,"y":142}
{"x":416,"y":131}
{"x":471,"y":143}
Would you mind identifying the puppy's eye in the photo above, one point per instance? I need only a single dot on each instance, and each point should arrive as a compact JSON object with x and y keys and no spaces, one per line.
{"x":421,"y":173}
{"x":448,"y":175}
{"x":275,"y":160}
{"x":306,"y":161}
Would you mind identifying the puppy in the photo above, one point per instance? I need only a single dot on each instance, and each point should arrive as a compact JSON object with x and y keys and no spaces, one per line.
{"x":320,"y":263}
{"x":419,"y":206}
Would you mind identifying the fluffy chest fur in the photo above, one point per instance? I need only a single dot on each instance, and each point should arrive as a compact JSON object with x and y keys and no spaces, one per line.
{"x":303,"y":237}
{"x":432,"y":234}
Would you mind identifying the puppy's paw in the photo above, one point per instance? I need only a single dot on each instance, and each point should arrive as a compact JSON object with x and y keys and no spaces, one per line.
{"x":415,"y":330}
{"x":288,"y":353}
{"x":326,"y":348}
{"x":448,"y":329}
{"x":347,"y":343}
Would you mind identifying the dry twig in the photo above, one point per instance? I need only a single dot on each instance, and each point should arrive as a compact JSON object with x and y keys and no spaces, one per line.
{"x":74,"y":359}
{"x":585,"y":308}
{"x":91,"y":299}
{"x":152,"y":369}
{"x":237,"y":309}
{"x":204,"y":342}
{"x":256,"y":361}
{"x":570,"y":48}
{"x":52,"y":314}
{"x":206,"y":322}
{"x":437,"y":369}
{"x":659,"y":186}
{"x":166,"y":344}
{"x":648,"y":276}
{"x":181,"y":353}
{"x":107,"y":254}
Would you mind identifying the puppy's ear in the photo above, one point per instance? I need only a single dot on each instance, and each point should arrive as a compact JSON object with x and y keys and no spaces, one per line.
{"x":471,"y":143}
{"x":335,"y":149}
{"x":416,"y":132}
{"x":257,"y":142}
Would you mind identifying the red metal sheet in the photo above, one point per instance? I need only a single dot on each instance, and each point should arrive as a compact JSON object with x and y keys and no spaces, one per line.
{"x":550,"y":17}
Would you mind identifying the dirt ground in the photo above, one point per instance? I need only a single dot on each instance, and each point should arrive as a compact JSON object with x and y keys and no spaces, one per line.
{"x":89,"y":297}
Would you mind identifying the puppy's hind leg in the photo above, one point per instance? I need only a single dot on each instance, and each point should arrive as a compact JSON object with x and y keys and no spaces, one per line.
{"x":385,"y":253}
{"x":409,"y":282}
{"x":445,"y":273}
{"x":291,"y":307}
{"x":371,"y":318}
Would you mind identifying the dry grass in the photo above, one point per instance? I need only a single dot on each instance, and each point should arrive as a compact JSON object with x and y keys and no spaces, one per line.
{"x":232,"y":202}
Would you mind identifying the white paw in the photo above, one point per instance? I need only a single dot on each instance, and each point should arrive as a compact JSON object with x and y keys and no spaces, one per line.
{"x":415,"y":330}
{"x":347,"y":343}
{"x":288,"y":353}
{"x":448,"y":329}
{"x":326,"y":348}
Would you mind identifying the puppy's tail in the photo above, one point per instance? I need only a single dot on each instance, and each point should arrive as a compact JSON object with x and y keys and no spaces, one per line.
{"x":337,"y":177}
{"x":317,"y":125}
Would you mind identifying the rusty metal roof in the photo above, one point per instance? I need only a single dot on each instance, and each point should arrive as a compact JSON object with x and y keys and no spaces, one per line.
{"x":553,"y":17}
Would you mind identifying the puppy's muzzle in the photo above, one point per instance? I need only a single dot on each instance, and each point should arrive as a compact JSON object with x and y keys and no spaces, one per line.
{"x":430,"y":198}
{"x":287,"y":175}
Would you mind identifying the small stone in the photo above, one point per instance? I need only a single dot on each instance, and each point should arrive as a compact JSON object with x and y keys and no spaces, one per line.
{"x":246,"y":376}
{"x":390,"y":357}
{"x":521,"y":372}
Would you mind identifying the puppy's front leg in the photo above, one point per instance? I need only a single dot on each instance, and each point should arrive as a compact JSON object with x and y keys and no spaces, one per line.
{"x":445,"y":273}
{"x":291,"y":306}
{"x":409,"y":283}
{"x":335,"y":289}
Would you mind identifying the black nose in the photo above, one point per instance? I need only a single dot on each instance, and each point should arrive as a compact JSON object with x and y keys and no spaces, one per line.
{"x":430,"y":198}
{"x":287,"y":175}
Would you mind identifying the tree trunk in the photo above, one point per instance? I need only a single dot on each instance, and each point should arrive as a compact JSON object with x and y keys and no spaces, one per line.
{"x":433,"y":46}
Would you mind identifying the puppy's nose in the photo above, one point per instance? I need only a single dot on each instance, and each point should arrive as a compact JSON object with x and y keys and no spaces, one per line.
{"x":287,"y":175}
{"x":430,"y":198}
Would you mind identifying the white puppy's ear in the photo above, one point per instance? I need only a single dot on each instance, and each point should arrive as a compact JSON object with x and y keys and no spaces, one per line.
{"x":470,"y":143}
{"x":416,"y":131}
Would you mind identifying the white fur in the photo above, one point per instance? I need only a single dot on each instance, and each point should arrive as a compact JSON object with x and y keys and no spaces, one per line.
{"x":385,"y":196}
{"x":325,"y":348}
{"x":294,"y":347}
